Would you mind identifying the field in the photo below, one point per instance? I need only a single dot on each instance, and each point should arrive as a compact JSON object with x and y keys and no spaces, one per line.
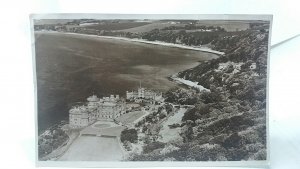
{"x":149,"y":27}
{"x":116,"y":26}
{"x":90,"y":148}
{"x":130,"y":117}
{"x":228,"y":25}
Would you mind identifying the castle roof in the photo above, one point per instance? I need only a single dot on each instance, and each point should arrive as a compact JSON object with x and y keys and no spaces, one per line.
{"x":78,"y":110}
{"x":93,"y":98}
{"x":110,"y":104}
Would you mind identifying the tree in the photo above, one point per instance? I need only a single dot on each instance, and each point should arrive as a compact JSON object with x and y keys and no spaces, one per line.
{"x":232,"y":141}
{"x":129,"y":135}
{"x":196,"y":113}
{"x":187,"y":131}
{"x":169,"y":108}
{"x":210,"y":97}
{"x":153,"y":146}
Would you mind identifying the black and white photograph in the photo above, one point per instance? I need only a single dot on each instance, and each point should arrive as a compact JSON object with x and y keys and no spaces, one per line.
{"x":138,"y":88}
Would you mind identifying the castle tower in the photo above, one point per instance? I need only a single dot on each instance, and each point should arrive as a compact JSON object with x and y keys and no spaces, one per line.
{"x":92,"y":101}
{"x":140,"y":84}
{"x":141,"y":91}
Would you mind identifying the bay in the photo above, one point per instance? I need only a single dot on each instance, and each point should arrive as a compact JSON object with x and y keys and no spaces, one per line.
{"x":71,"y":67}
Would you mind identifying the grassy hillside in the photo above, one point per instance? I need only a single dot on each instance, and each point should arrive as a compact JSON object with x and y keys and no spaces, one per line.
{"x":117,"y":26}
{"x":148,"y":27}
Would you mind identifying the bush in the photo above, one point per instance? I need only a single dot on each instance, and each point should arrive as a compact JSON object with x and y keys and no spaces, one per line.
{"x":48,"y":143}
{"x":235,"y":154}
{"x":207,"y":152}
{"x":153,"y":146}
{"x":191,"y":115}
{"x":251,"y":137}
{"x":210,"y":97}
{"x":247,"y":94}
{"x":196,"y":113}
{"x":169,"y":108}
{"x":129,"y":135}
{"x":168,"y":149}
{"x":234,"y":140}
{"x":233,"y":124}
{"x":187,"y":133}
{"x":155,"y":156}
{"x":260,"y":155}
{"x":162,"y":115}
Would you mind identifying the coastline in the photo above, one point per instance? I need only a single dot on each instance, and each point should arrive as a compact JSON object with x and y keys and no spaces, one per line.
{"x":59,"y":152}
{"x":181,"y":46}
{"x":188,"y":83}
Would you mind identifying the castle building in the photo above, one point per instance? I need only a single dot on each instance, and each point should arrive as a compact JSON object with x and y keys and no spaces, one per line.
{"x":143,"y":93}
{"x":97,"y":109}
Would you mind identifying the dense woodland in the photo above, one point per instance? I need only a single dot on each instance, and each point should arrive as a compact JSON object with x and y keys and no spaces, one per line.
{"x":229,"y":122}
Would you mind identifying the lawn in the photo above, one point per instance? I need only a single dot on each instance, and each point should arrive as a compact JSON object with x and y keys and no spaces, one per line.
{"x":130,"y":117}
{"x":172,"y":134}
{"x":89,"y":148}
{"x":101,"y":125}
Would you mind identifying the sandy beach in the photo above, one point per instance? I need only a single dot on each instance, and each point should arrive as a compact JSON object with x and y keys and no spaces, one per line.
{"x":197,"y":48}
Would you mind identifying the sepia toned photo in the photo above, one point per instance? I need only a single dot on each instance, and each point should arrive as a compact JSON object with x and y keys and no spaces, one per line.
{"x":141,"y":88}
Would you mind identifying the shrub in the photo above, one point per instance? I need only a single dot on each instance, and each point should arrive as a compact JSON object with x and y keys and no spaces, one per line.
{"x":196,"y":113}
{"x":251,"y":137}
{"x":187,"y":133}
{"x":179,"y":155}
{"x":262,"y":132}
{"x":129,"y":135}
{"x":162,"y":115}
{"x":218,"y":139}
{"x":234,"y":140}
{"x":203,"y":138}
{"x":247,"y":94}
{"x":207,"y":152}
{"x":235,"y":123}
{"x":236,"y":154}
{"x":210,"y":97}
{"x":260,"y":155}
{"x":168,"y":149}
{"x":255,"y":147}
{"x":48,"y":143}
{"x":190,"y":115}
{"x":155,"y":156}
{"x":153,"y":146}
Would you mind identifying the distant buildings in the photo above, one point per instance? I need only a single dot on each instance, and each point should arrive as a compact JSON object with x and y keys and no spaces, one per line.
{"x":143,"y":93}
{"x":104,"y":109}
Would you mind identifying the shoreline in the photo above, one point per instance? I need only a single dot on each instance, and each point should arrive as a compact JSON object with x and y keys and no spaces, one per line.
{"x":59,"y":152}
{"x":188,"y":83}
{"x":181,"y":46}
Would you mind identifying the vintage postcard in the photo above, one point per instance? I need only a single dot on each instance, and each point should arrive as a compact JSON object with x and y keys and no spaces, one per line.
{"x":118,"y":90}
